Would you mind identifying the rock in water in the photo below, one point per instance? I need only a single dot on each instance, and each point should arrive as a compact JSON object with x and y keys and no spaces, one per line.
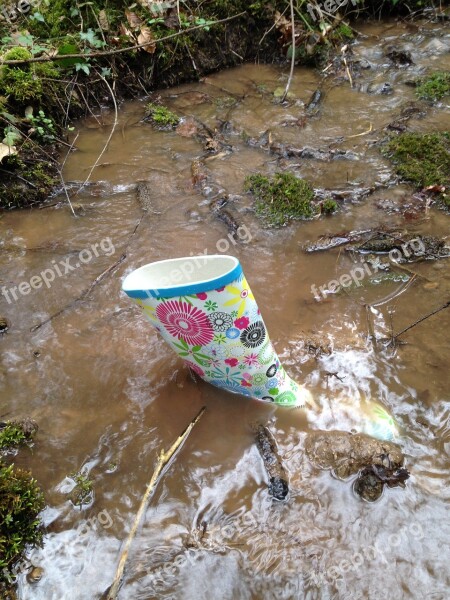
{"x":145,"y":197}
{"x":278,"y":480}
{"x":346,"y":453}
{"x":371,"y":480}
{"x":379,"y":462}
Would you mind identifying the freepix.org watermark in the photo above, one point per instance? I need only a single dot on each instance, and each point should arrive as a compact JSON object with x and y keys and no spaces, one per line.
{"x":355,"y":277}
{"x":58,"y":269}
{"x":11,"y":12}
{"x":188,"y":267}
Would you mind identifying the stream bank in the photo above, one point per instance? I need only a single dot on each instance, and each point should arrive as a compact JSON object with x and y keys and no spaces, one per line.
{"x":39,"y":100}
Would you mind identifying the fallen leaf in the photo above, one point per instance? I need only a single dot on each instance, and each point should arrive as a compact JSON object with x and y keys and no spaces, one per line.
{"x":435,"y":188}
{"x":132,"y":18}
{"x":146,"y":35}
{"x":123,"y":30}
{"x":103,"y":20}
{"x":6,"y":151}
{"x":281,"y":22}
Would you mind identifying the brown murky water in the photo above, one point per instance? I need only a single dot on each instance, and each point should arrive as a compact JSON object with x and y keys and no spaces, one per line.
{"x":108,"y":395}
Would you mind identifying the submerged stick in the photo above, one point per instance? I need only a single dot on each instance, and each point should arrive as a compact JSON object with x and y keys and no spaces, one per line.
{"x":430,"y":314}
{"x":163,"y":460}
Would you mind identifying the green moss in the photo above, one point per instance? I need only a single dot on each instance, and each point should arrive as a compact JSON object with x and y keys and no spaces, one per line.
{"x":343,"y":31}
{"x":281,"y":198}
{"x":329,"y":206}
{"x":26,"y":181}
{"x":423,"y":159}
{"x":435,"y":86}
{"x":83,"y":491}
{"x":21,"y":501}
{"x":18,"y":53}
{"x":24,"y":82}
{"x":161,"y":116}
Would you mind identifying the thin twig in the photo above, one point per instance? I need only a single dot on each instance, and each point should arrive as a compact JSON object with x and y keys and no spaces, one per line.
{"x":111,"y":133}
{"x":291,"y":72}
{"x":430,"y":314}
{"x":60,"y":170}
{"x":163,"y":460}
{"x":82,"y":296}
{"x":363,"y":133}
{"x":96,"y":281}
{"x":117,"y":50}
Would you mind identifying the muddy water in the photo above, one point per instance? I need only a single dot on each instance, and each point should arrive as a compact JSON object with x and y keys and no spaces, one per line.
{"x":108,"y":394}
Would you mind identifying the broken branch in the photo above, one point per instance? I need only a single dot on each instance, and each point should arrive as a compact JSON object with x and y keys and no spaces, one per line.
{"x":163,"y":459}
{"x":430,"y":314}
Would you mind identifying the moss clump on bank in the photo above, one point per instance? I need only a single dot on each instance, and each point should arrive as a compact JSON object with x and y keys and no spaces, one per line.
{"x":68,"y":88}
{"x":27,"y":179}
{"x":161,"y":117}
{"x":329,"y":206}
{"x":423,"y":159}
{"x":434,"y":87}
{"x":281,"y":198}
{"x":24,"y":83}
{"x":21,"y":501}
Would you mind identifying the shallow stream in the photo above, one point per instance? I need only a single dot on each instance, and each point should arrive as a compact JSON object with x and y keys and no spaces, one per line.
{"x":108,"y":395}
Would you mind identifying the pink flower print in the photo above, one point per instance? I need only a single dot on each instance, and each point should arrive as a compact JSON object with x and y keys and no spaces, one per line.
{"x":245,"y":383}
{"x":251,"y":360}
{"x":202,"y":295}
{"x":220,"y":289}
{"x":242,"y":323}
{"x":185,"y":322}
{"x":232,"y":361}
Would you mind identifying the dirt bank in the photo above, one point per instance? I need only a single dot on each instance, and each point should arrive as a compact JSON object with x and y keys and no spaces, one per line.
{"x":62,"y":61}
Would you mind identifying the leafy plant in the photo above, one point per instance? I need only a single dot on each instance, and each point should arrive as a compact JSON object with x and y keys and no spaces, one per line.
{"x":15,"y":433}
{"x":44,"y":127}
{"x":91,"y":38}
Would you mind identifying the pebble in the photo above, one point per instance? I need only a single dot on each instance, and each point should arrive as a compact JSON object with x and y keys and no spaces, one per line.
{"x":35,"y":574}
